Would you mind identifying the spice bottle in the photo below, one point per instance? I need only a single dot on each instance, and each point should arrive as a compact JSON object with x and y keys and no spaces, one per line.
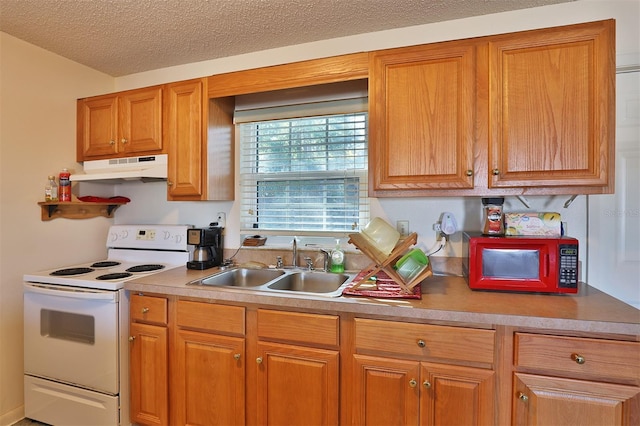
{"x":493,"y":216}
{"x":337,"y":258}
{"x":51,"y":190}
{"x":65,"y":186}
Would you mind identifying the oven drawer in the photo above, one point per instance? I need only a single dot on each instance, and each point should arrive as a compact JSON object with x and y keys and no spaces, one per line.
{"x":579,"y":356}
{"x":211,"y":317}
{"x":299,"y":328}
{"x":425,"y":340}
{"x":148,"y":309}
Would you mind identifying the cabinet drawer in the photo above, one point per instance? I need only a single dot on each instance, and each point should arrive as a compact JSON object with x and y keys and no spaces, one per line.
{"x":148,"y":309}
{"x":211,"y":317}
{"x":425,"y":340}
{"x":578,"y":356}
{"x":299,"y":328}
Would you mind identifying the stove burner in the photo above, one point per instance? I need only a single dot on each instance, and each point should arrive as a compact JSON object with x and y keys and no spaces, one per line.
{"x":71,"y":271}
{"x":114,"y":276}
{"x":145,"y":268}
{"x":105,"y":264}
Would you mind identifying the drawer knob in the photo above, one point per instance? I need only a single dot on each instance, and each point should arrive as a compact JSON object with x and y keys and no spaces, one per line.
{"x":236,"y":357}
{"x":145,"y":310}
{"x":413,"y":383}
{"x":132,"y":338}
{"x":426,"y":384}
{"x":469,"y":172}
{"x":124,"y":141}
{"x":421,"y":343}
{"x":259,"y":360}
{"x":579,"y":359}
{"x":522,"y":397}
{"x":495,"y":172}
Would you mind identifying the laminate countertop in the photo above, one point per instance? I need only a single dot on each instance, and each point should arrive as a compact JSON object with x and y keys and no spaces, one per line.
{"x":444,"y":298}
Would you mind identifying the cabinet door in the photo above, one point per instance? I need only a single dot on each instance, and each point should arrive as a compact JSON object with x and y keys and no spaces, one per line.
{"x":540,"y":400}
{"x":552,"y":108}
{"x":185,"y":138}
{"x":140,"y":121}
{"x":97,"y":127}
{"x":422,"y":103}
{"x":453,"y":395}
{"x":208,"y":379}
{"x":148,"y":374}
{"x":386,"y":391}
{"x":297,"y":385}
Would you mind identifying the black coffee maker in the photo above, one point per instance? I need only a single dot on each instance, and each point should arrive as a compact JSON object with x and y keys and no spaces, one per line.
{"x":208,"y":249}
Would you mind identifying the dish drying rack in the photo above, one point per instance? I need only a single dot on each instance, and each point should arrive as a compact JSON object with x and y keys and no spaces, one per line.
{"x":382,"y":262}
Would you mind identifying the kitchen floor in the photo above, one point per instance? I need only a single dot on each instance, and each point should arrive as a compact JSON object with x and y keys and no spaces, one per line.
{"x":28,"y":422}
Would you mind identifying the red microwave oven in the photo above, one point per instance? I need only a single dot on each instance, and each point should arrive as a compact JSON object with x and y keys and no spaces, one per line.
{"x":520,"y":263}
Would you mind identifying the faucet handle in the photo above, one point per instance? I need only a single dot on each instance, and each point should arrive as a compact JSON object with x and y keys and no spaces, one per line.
{"x":279,"y":263}
{"x":309,"y":263}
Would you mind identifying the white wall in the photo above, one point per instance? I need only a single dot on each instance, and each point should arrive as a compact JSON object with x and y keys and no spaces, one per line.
{"x":37,"y":137}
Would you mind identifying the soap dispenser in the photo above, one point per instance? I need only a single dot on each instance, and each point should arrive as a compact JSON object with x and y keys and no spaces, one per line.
{"x":337,"y":258}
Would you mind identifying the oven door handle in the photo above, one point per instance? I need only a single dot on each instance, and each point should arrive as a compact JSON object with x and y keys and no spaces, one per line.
{"x":75,"y":293}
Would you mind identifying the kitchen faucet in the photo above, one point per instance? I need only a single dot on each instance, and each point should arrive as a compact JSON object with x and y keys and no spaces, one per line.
{"x":295,"y":253}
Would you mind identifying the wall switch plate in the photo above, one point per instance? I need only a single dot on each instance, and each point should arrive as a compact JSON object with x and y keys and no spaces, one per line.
{"x":403,"y":227}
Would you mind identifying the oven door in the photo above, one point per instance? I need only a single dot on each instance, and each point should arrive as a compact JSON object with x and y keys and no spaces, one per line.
{"x":71,"y":335}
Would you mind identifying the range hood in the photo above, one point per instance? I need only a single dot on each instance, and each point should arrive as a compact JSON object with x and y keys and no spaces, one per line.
{"x":118,"y":170}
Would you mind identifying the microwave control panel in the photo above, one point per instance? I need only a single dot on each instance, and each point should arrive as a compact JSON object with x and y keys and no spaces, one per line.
{"x":568,"y":264}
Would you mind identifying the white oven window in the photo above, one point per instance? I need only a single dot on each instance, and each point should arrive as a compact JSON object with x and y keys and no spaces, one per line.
{"x":67,"y":326}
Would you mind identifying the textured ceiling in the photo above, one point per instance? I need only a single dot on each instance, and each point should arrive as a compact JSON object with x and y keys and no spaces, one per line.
{"x":120,"y":37}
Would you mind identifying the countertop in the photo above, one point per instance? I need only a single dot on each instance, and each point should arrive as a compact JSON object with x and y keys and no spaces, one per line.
{"x":444,"y":298}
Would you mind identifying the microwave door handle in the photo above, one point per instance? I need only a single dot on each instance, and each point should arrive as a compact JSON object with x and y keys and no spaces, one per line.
{"x":72,"y":293}
{"x":545,"y":265}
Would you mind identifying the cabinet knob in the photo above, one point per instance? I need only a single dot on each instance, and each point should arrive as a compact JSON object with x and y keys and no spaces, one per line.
{"x":236,"y":357}
{"x":124,"y":141}
{"x":259,"y":360}
{"x":522,"y":397}
{"x":145,"y":310}
{"x":112,"y":142}
{"x":495,"y":172}
{"x":169,"y":183}
{"x":469,"y":172}
{"x":421,"y":343}
{"x":132,"y":338}
{"x":413,"y":383}
{"x":579,"y":359}
{"x":426,"y":384}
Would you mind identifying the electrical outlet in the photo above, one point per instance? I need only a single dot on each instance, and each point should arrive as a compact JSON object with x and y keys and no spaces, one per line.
{"x":222,"y":219}
{"x":403,"y":227}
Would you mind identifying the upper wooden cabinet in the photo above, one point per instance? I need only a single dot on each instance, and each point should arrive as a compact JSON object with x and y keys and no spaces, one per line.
{"x":124,"y":124}
{"x":297,"y":74}
{"x":422,"y":104}
{"x":522,"y":113}
{"x":552,"y":108}
{"x":200,"y":136}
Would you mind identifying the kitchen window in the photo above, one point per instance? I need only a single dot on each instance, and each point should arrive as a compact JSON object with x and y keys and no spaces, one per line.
{"x":305,"y":175}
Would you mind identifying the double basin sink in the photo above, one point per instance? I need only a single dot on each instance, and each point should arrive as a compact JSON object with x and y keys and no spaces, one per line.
{"x":280,"y":280}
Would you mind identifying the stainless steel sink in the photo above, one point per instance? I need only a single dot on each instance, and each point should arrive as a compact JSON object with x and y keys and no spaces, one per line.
{"x":309,"y":282}
{"x":242,"y":277}
{"x":280,"y":280}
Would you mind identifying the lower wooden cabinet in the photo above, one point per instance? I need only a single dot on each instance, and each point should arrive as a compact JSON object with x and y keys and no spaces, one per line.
{"x":297,"y":385}
{"x":400,"y":392}
{"x":205,"y":363}
{"x":575,"y":380}
{"x":208,"y":382}
{"x":148,"y":360}
{"x":546,"y":400}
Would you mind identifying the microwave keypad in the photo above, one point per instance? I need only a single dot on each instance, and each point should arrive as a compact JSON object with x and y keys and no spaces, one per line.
{"x":568,"y":266}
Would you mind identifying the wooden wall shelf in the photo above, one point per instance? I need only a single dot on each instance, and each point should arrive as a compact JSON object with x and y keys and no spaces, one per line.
{"x":76,"y":209}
